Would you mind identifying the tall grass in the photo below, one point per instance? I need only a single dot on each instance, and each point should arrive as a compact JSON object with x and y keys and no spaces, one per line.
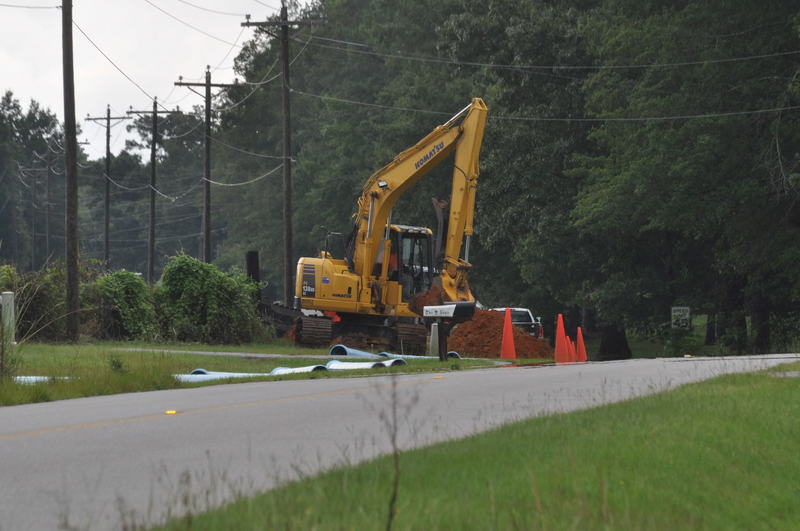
{"x":102,"y":368}
{"x":715,"y":455}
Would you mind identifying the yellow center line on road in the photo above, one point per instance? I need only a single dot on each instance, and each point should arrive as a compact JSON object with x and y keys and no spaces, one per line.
{"x":75,"y":427}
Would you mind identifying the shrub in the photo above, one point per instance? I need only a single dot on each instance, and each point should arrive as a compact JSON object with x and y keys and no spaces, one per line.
{"x":201,"y":303}
{"x":9,"y":278}
{"x":121,"y":307}
{"x":40,"y":302}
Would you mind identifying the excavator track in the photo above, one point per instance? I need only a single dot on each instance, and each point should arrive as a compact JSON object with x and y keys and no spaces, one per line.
{"x":411,"y":337}
{"x":400,"y":337}
{"x":314,"y":330}
{"x":372,"y":334}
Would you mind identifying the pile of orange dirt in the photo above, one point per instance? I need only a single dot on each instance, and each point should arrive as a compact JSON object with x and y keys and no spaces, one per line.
{"x":432,"y":297}
{"x":482,"y":336}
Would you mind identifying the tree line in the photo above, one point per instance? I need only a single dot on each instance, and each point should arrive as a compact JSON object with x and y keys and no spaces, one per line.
{"x":639,"y":155}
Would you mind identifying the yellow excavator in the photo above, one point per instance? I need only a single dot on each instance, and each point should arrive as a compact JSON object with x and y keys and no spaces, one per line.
{"x":375,"y":293}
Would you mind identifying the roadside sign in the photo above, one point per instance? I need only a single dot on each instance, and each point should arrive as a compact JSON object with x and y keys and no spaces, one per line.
{"x":681,"y":317}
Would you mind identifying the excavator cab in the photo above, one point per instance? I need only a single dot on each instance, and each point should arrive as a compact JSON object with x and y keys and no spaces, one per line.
{"x":414,"y":260}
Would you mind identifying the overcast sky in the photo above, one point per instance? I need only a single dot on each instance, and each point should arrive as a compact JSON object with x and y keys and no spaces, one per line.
{"x":149,"y":45}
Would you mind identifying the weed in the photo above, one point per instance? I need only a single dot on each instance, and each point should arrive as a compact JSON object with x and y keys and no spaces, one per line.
{"x":116,"y":365}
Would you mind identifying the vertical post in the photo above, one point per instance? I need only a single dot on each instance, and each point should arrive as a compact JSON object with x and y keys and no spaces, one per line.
{"x":107,"y":203}
{"x":444,"y":332}
{"x":253,"y":271}
{"x":207,"y":175}
{"x":14,"y":243}
{"x":288,"y":285}
{"x":47,"y":209}
{"x":71,"y":174}
{"x":151,"y":237}
{"x":205,"y":231}
{"x":33,"y":221}
{"x":433,"y":341}
{"x":7,"y":328}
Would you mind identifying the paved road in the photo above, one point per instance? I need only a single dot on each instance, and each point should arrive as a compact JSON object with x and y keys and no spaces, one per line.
{"x":99,"y":462}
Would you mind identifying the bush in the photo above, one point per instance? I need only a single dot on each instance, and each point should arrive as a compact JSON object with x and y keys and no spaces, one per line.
{"x":40,"y":302}
{"x":201,"y":303}
{"x":678,"y":342}
{"x":121,"y":307}
{"x":9,"y":278}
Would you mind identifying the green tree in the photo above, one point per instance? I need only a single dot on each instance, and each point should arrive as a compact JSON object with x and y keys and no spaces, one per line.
{"x":716,"y":184}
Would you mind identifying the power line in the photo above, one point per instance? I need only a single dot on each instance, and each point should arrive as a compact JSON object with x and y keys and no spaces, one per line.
{"x":228,"y":13}
{"x":163,"y":223}
{"x":184,"y":194}
{"x":560,"y":119}
{"x":129,"y":78}
{"x":158,"y":240}
{"x":270,"y":172}
{"x":165,"y":99}
{"x":174,"y":177}
{"x":171,"y":102}
{"x":263,"y":81}
{"x":267,"y":5}
{"x":172,"y":222}
{"x":185,"y":133}
{"x":230,"y":50}
{"x":652,"y":118}
{"x":126,"y":188}
{"x":539,"y":72}
{"x":365,"y":104}
{"x":21,"y":6}
{"x":217,"y":67}
{"x":19,"y":178}
{"x":298,"y":54}
{"x":246,"y":152}
{"x":419,"y":58}
{"x":195,"y":28}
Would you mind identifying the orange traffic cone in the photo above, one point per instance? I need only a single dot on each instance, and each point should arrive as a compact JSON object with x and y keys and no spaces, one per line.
{"x":507,"y":350}
{"x":581,"y":347}
{"x":562,"y":354}
{"x":570,"y":350}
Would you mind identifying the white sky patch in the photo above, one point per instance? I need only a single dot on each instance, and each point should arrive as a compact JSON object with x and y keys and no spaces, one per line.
{"x":151,"y":47}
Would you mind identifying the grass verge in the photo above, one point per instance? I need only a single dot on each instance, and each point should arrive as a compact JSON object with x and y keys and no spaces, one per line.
{"x":101,"y":368}
{"x":720,"y":454}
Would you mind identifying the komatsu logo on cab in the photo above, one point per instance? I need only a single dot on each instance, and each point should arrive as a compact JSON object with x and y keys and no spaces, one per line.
{"x":429,"y":155}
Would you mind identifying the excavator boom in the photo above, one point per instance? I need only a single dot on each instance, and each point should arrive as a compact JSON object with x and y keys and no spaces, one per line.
{"x":387,"y":267}
{"x":463,"y":133}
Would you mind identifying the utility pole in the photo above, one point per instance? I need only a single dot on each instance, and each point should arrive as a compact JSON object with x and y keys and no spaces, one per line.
{"x":33,"y":219}
{"x":48,"y":162}
{"x":207,"y":162}
{"x":71,"y":175}
{"x":47,"y":209}
{"x":151,"y":237}
{"x":283,"y":24}
{"x":107,"y":202}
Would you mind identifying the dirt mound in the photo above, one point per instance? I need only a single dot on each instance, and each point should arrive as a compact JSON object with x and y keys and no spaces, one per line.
{"x":482,"y":336}
{"x":432,"y":297}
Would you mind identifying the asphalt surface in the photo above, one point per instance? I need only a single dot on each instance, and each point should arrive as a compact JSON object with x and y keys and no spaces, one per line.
{"x":108,"y":462}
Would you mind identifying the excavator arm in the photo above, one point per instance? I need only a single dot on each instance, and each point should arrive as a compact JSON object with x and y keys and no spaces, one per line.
{"x":462,"y":134}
